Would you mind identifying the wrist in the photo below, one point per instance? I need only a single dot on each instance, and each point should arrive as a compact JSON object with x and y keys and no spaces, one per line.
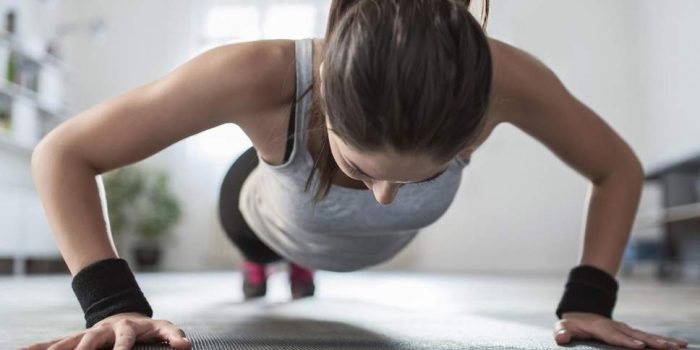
{"x":106,"y":288}
{"x":589,"y":289}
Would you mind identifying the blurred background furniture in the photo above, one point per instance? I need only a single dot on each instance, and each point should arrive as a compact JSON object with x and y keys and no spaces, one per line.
{"x":678,"y":249}
{"x":32,"y":79}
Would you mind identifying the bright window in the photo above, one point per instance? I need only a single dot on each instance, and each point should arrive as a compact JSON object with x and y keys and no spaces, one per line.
{"x":289,"y":21}
{"x":226,"y":24}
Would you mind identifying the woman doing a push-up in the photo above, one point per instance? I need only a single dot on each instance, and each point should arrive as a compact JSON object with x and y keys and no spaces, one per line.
{"x":359,"y":141}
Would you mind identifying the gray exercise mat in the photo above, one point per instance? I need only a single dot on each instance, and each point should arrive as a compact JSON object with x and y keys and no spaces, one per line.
{"x":346,"y":324}
{"x":358,"y":311}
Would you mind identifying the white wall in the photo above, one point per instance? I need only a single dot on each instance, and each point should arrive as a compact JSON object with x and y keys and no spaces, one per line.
{"x":519,"y":208}
{"x":670,"y":53}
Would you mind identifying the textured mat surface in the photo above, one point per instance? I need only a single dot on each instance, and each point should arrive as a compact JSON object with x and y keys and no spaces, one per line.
{"x":322,"y":324}
{"x":351,"y":311}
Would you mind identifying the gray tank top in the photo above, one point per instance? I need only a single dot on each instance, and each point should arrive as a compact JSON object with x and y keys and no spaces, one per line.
{"x":349,"y":229}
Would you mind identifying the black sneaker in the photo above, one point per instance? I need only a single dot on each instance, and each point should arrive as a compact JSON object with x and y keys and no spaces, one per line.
{"x":301,"y":281}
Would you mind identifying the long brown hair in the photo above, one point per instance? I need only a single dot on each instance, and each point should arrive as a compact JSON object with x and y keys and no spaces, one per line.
{"x":409,"y":75}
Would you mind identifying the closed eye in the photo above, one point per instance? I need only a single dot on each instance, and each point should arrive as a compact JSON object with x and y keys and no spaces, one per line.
{"x":357,"y":174}
{"x":426,"y":181}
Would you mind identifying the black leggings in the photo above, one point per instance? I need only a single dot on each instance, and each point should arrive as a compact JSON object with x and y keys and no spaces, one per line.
{"x":230,"y":216}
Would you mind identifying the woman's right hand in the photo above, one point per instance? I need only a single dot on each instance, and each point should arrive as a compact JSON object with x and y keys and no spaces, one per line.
{"x":121,"y":331}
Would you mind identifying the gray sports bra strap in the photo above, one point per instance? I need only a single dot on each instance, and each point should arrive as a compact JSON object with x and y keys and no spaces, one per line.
{"x":304,"y":71}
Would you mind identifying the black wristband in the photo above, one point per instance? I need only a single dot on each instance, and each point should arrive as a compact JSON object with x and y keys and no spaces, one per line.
{"x":108,"y":287}
{"x":589,"y":289}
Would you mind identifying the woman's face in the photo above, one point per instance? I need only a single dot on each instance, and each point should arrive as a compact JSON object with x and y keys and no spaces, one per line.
{"x":383,"y":172}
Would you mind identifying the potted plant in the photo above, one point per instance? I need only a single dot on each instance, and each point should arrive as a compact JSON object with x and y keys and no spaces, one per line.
{"x":139,"y":201}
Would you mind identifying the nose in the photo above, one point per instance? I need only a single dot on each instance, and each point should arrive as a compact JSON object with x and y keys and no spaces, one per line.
{"x":384,"y":191}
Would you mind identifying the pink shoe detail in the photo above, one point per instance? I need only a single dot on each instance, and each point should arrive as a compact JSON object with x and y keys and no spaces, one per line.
{"x":298,"y":273}
{"x":255,"y":273}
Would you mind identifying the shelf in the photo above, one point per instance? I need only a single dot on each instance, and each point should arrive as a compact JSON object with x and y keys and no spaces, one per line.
{"x":683,"y":212}
{"x":14,"y":91}
{"x":13,"y":42}
{"x":684,"y":165}
{"x":679,"y":213}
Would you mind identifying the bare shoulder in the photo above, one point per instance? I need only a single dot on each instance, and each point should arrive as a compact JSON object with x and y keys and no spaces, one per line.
{"x":518,"y":79}
{"x":270,"y":88}
{"x":495,"y":114}
{"x":260,"y":73}
{"x":269,"y":78}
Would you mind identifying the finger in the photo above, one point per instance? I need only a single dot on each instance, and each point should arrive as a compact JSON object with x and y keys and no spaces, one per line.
{"x":563,"y":336}
{"x":566,"y":330}
{"x":678,"y":342}
{"x":653,"y":339}
{"x":648,"y":339}
{"x":67,"y":343}
{"x":93,"y":339}
{"x":174,"y":335}
{"x":125,"y":335}
{"x":674,"y":342}
{"x":657,"y":341}
{"x":612,"y":335}
{"x":43,"y":345}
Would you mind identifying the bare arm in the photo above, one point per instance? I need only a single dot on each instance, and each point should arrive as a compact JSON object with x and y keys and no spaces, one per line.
{"x":233,"y":83}
{"x":532,"y":98}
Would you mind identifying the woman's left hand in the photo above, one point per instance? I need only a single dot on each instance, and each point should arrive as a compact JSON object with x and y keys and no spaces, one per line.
{"x":583,"y":325}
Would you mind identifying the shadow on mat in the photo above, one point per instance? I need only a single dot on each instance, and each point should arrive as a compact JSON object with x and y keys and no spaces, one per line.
{"x":351,"y":324}
{"x":279,"y":332}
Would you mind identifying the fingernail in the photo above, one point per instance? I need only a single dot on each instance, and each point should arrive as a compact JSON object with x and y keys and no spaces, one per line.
{"x":638,"y":342}
{"x":660,"y":341}
{"x":562,"y":331}
{"x":187,"y":340}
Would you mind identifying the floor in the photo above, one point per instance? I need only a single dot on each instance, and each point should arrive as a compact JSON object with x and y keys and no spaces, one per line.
{"x":359,"y":310}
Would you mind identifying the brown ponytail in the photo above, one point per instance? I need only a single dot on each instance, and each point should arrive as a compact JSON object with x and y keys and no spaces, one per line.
{"x":453,"y":84}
